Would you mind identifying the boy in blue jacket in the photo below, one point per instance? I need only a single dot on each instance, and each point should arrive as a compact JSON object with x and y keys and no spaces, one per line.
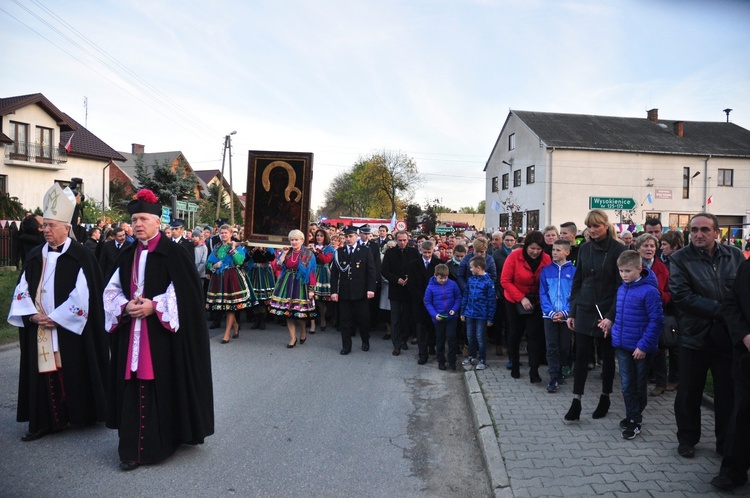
{"x":442,"y":299}
{"x":555,"y":283}
{"x":477,"y":310}
{"x":639,"y":319}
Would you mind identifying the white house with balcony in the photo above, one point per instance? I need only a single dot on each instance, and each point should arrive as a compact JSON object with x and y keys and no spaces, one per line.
{"x":34,"y":134}
{"x":549,"y":168}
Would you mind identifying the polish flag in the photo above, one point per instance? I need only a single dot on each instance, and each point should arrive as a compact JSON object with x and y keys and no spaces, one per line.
{"x":67,"y":145}
{"x":710,"y":199}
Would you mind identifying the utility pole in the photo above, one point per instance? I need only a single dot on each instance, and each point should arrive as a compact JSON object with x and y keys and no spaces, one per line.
{"x":231,"y":197}
{"x":227,"y":145}
{"x":86,"y":109}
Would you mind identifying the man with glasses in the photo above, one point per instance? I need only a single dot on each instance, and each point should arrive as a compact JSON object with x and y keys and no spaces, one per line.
{"x":57,"y":306}
{"x":700,"y":280}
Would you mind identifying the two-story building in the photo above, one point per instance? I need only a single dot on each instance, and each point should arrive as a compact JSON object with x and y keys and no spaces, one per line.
{"x":549,"y":168}
{"x":41,"y":145}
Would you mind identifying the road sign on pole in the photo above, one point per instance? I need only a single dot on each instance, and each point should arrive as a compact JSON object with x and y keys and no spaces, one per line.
{"x":611,"y":203}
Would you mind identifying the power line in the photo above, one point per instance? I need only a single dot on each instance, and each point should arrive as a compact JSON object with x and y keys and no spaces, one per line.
{"x":154,"y":95}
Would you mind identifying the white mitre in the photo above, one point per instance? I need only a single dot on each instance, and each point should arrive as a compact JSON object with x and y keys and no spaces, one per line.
{"x":59,"y":204}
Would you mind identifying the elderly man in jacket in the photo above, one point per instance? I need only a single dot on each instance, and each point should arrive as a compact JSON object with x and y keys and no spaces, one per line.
{"x":700,"y":280}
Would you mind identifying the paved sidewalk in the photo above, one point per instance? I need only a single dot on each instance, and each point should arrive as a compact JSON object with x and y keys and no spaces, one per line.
{"x":541,"y":455}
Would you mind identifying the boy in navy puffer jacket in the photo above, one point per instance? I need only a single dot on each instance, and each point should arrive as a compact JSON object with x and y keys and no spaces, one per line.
{"x":635,"y":335}
{"x":477,"y":310}
{"x":442,"y":299}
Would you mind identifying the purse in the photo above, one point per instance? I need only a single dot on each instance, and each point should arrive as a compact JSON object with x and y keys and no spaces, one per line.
{"x":668,"y":338}
{"x":523,"y":311}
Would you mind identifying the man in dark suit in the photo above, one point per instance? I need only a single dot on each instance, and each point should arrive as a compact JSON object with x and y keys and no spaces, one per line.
{"x":419,"y":272}
{"x":382,"y":236}
{"x":353,"y":284}
{"x":110,"y":252}
{"x":394,"y":269}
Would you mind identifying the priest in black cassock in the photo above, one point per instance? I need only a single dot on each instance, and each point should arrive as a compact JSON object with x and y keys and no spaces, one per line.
{"x":160,"y":387}
{"x":58,"y":308}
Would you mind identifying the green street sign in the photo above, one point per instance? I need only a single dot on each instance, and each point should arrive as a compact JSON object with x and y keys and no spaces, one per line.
{"x":615,"y":203}
{"x":442,"y":229}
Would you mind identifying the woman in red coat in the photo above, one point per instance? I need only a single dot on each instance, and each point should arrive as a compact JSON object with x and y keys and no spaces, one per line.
{"x":520,"y":284}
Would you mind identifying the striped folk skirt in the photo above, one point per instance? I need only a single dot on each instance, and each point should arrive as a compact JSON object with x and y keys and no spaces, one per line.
{"x":262,"y":281}
{"x":230,"y":291}
{"x":290,"y":298}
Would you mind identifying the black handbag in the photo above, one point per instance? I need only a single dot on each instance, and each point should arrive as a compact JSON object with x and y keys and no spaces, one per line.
{"x":523,"y":311}
{"x":668,"y":338}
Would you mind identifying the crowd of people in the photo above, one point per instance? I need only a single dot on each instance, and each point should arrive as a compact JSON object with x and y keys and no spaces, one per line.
{"x":656,"y":307}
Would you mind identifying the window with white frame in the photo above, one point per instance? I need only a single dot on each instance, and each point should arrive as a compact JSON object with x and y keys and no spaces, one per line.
{"x":512,"y":141}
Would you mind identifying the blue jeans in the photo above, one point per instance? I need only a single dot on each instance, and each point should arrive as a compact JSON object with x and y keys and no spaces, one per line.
{"x":475,"y":332}
{"x":633,"y":376}
{"x":557,"y":335}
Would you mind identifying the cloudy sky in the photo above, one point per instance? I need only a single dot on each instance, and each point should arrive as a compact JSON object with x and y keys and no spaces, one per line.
{"x":343,"y":79}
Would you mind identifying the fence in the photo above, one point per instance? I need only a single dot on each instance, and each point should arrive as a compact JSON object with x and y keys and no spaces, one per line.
{"x":8,"y":251}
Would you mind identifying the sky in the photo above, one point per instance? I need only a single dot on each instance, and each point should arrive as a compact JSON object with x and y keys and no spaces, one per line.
{"x":434,"y":80}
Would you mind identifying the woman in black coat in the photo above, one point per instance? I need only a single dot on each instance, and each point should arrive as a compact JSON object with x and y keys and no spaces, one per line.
{"x":592,"y":308}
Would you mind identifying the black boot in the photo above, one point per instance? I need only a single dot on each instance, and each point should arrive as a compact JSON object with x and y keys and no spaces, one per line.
{"x":603,"y":407}
{"x":515,"y":370}
{"x":262,"y":321}
{"x":256,"y":322}
{"x":534,"y":375}
{"x":575,"y":411}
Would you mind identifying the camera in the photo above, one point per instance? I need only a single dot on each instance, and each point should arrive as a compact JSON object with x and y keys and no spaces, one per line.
{"x":74,"y":184}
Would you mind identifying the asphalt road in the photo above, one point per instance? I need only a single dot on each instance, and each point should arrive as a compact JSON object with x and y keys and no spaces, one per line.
{"x":305,"y":421}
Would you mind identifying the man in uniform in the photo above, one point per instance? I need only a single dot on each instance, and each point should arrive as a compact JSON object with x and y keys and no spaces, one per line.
{"x":57,"y":306}
{"x":178,"y":231}
{"x":352,"y":285}
{"x":160,"y":388}
{"x":366,"y":240}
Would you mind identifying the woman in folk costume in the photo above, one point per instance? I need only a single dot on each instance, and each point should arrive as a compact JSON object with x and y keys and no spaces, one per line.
{"x":160,"y":387}
{"x":58,"y":309}
{"x":293,"y":296}
{"x":262,"y":280}
{"x":323,"y":256}
{"x":229,"y":290}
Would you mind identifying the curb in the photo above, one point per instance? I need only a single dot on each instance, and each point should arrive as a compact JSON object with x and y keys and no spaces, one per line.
{"x":494,"y":463}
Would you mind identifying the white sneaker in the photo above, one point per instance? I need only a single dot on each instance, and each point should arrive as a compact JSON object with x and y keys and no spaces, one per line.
{"x":480,"y":365}
{"x":468,"y":362}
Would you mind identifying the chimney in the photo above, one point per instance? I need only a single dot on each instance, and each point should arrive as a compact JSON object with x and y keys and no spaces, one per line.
{"x":679,"y":128}
{"x":138,"y":148}
{"x":653,"y":115}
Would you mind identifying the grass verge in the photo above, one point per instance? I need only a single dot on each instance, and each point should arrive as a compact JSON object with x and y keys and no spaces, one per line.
{"x":8,"y":278}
